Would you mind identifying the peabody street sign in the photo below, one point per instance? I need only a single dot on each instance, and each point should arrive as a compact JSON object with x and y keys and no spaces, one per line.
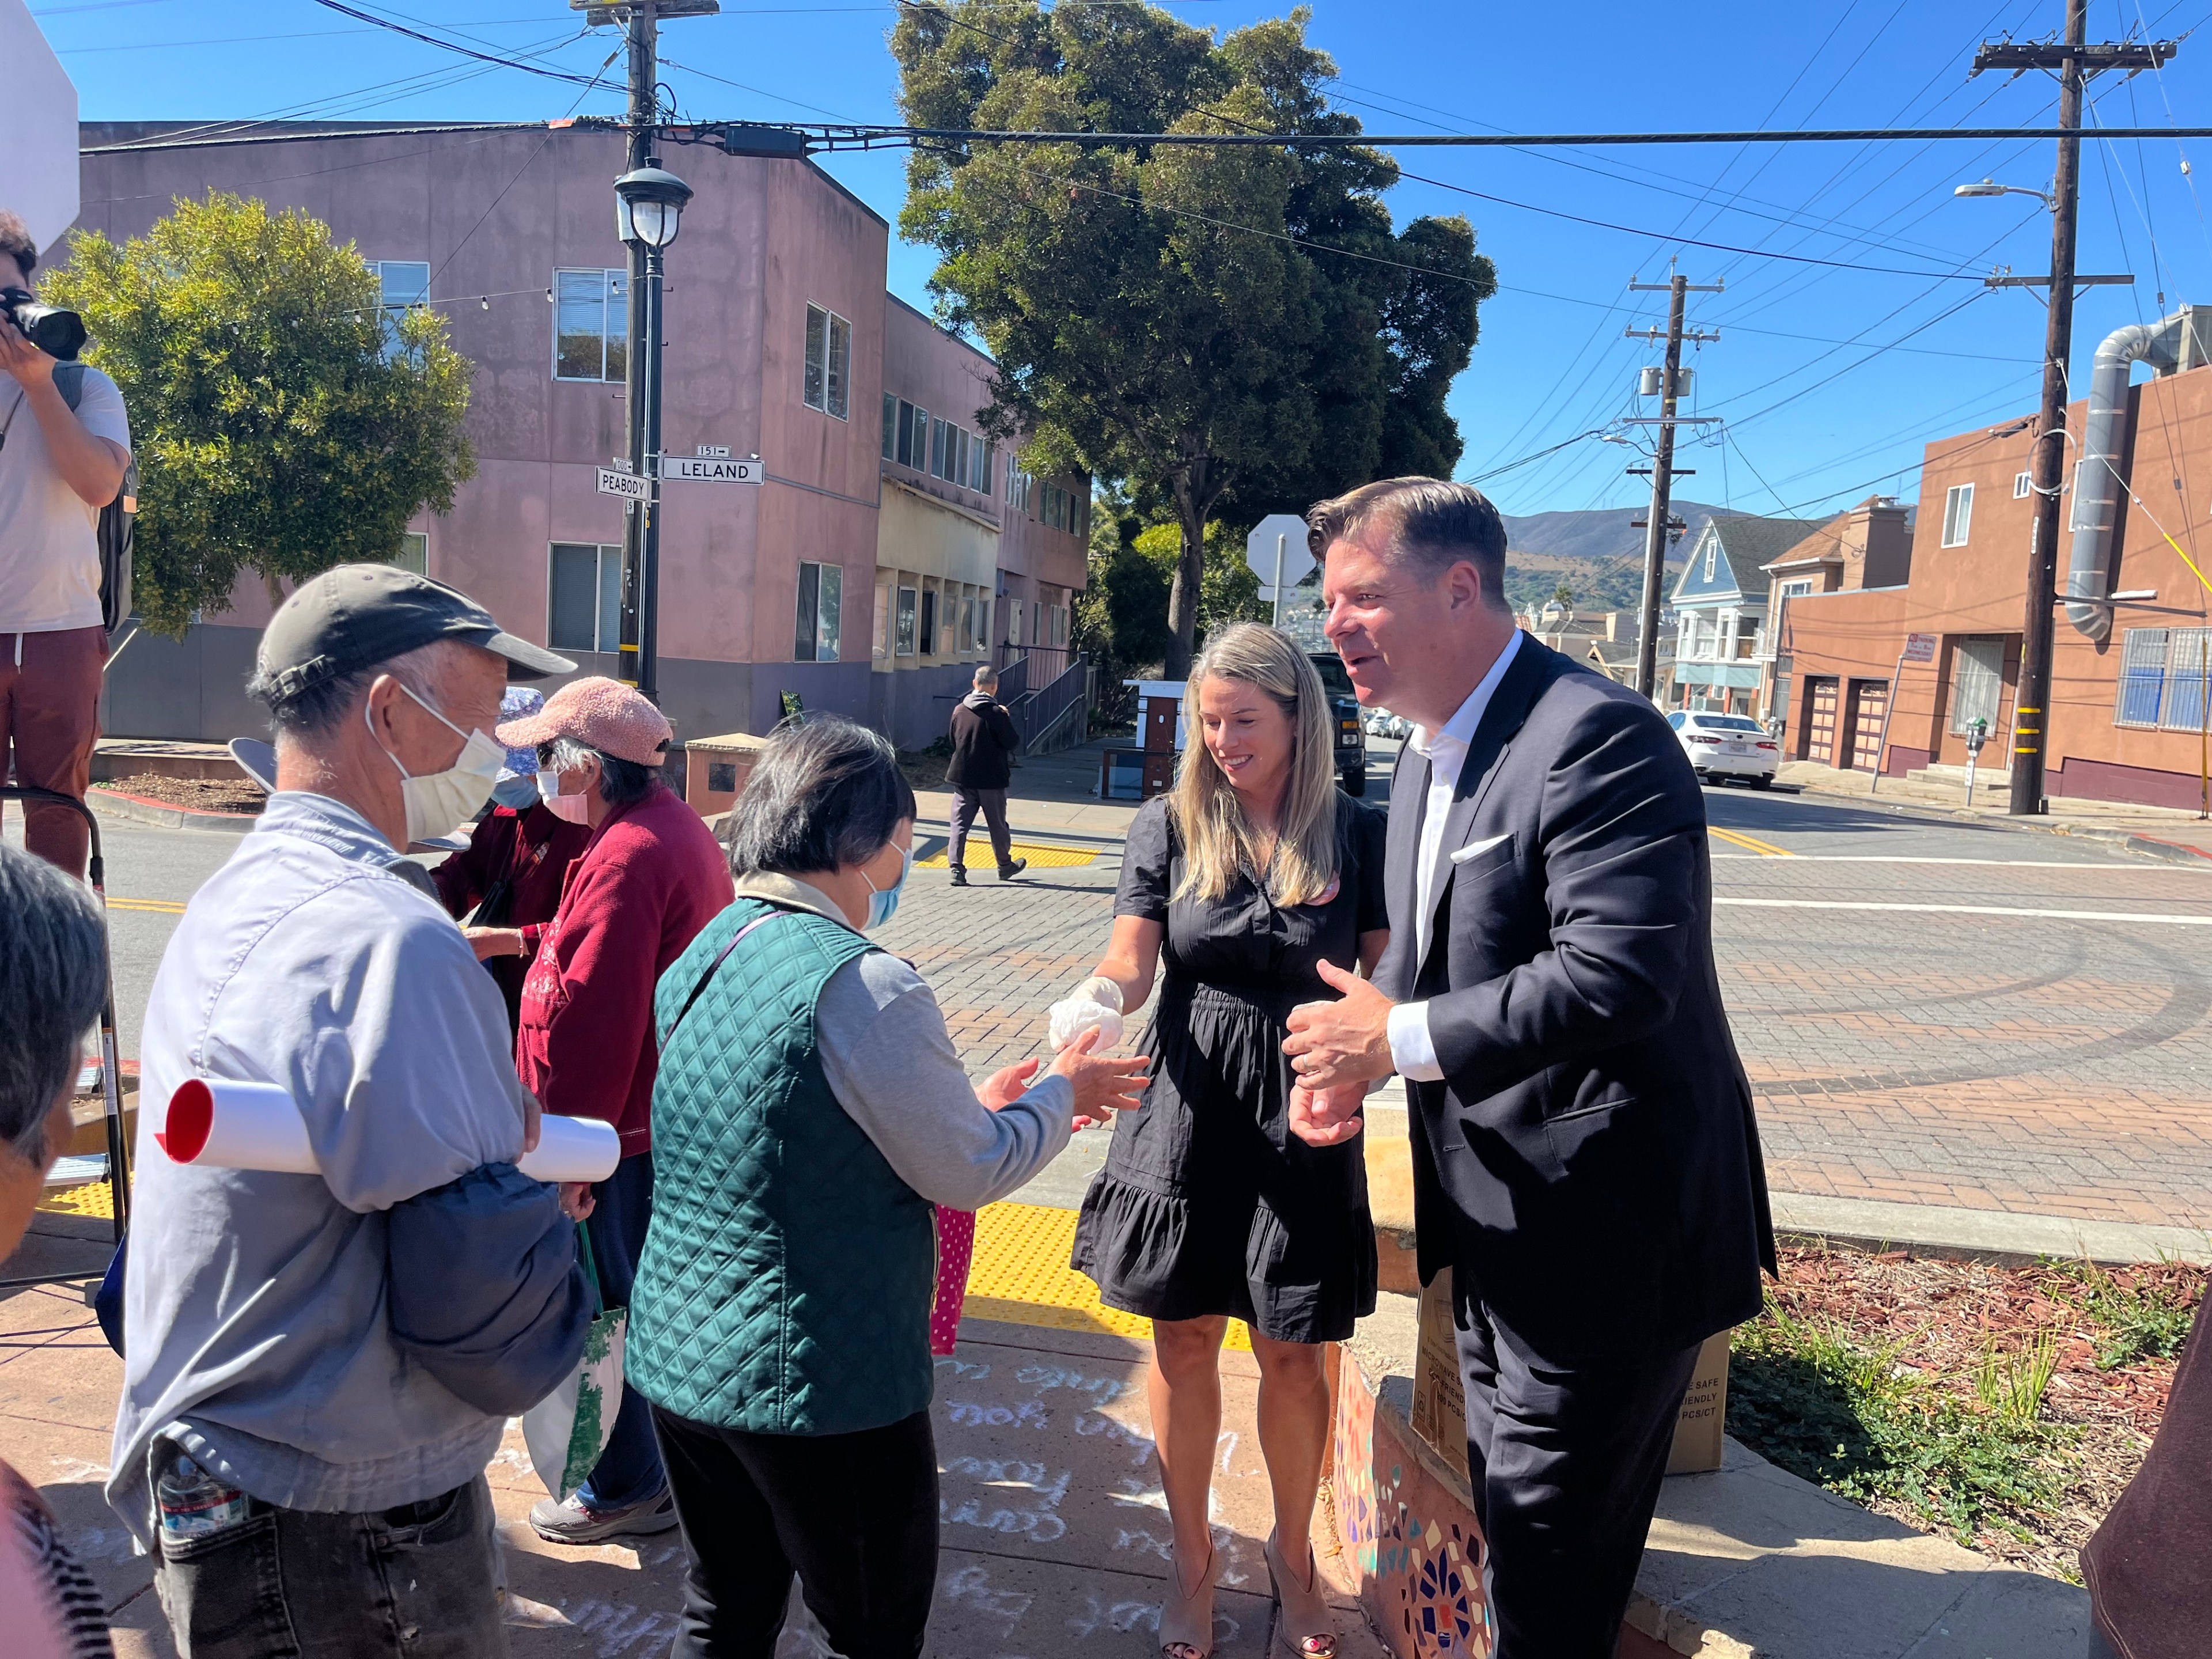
{"x":628,"y":485}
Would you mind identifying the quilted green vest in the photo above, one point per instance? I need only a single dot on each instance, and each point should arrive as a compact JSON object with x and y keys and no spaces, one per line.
{"x":785,"y":1282}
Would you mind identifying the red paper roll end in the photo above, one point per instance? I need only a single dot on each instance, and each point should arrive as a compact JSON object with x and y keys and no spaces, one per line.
{"x":191,"y":1120}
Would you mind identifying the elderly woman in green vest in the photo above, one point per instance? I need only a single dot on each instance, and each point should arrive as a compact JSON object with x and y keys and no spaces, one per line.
{"x":809,"y":1112}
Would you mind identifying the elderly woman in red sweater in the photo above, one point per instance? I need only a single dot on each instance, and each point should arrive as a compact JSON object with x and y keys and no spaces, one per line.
{"x":649,"y":877}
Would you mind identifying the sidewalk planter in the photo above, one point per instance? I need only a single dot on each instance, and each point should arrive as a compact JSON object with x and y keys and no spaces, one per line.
{"x":1408,"y":1529}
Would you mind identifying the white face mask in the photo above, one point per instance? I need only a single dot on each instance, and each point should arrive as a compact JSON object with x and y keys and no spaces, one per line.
{"x":439,"y":803}
{"x":569,"y":809}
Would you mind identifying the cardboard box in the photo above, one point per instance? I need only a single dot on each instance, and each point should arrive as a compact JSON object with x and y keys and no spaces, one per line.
{"x":1439,"y":1411}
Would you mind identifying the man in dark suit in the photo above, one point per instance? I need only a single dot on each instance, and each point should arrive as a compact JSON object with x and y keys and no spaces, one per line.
{"x":983,"y":745}
{"x":1586,"y":1159}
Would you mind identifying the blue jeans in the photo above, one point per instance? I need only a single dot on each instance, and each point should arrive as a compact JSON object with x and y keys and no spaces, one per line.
{"x":628,"y":1470}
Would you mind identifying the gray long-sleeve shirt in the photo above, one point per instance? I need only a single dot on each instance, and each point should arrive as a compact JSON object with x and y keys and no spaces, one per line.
{"x":890,"y":1062}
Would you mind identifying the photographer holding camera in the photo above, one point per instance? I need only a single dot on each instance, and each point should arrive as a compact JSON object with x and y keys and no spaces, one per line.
{"x":59,"y":466}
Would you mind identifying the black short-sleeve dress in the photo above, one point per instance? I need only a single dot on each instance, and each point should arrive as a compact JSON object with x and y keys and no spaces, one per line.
{"x":1207,"y":1203}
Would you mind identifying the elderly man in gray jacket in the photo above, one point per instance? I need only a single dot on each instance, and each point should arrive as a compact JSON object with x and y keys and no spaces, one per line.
{"x":318,"y":1367}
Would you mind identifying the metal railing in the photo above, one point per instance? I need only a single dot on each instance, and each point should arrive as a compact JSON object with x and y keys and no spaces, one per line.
{"x":1049,"y":718}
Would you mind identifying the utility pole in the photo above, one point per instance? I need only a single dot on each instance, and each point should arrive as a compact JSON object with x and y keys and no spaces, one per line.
{"x":1678,"y":288}
{"x":2074,"y":61}
{"x":636,"y":654}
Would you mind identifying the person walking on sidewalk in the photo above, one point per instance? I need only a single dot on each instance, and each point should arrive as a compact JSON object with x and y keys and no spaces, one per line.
{"x":1238,"y":889}
{"x":809,"y":1110}
{"x":59,"y":466}
{"x":319,"y":1367}
{"x":1585,"y":1158}
{"x":649,"y":877}
{"x":982,"y":769}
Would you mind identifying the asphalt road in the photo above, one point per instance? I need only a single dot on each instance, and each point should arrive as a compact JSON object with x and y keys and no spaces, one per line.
{"x":1930,"y":1011}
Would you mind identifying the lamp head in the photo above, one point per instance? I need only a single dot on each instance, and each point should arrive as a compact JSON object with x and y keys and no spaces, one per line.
{"x":1987,"y":187}
{"x":649,"y":205}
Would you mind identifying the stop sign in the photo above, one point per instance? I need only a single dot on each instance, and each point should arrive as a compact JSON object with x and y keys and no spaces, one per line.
{"x":37,"y":129}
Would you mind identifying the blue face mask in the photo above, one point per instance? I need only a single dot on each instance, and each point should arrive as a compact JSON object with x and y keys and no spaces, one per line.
{"x":883,"y":901}
{"x":517,"y":792}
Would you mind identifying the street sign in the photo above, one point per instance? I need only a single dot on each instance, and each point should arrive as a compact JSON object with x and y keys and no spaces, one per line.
{"x":1920,"y":648}
{"x":1276,"y":550}
{"x":711,"y":469}
{"x":628,"y":485}
{"x":713,"y":451}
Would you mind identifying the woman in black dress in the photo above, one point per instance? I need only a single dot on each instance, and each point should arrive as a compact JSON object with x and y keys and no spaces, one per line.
{"x":1208,"y":1208}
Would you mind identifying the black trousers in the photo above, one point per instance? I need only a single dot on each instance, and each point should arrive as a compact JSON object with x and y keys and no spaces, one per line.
{"x":854,"y":1515}
{"x":992,"y":804}
{"x":1566,"y":1467}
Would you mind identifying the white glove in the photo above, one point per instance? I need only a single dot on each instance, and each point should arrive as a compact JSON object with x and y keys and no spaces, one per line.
{"x":1096,"y":1002}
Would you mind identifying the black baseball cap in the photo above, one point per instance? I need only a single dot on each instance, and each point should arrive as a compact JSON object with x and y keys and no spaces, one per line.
{"x":357,"y":615}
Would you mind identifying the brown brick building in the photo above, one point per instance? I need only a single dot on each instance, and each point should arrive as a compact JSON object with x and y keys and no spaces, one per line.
{"x":2129,"y":711}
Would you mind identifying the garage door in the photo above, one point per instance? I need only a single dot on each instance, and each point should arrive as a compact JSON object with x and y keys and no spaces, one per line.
{"x":1820,"y":729}
{"x":1873,"y":708}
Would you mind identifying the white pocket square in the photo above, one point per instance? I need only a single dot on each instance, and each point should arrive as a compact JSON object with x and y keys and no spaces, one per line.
{"x":1475,"y":848}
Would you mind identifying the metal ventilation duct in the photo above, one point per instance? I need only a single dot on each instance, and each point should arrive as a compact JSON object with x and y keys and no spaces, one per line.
{"x":2168,"y":345}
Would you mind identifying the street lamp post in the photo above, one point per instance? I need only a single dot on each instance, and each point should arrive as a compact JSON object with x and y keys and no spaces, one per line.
{"x":649,"y":209}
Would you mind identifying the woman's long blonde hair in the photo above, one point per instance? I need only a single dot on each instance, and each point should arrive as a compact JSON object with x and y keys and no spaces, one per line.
{"x":1218,"y":840}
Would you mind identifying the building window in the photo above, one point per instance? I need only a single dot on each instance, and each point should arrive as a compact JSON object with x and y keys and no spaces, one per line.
{"x":828,"y":358}
{"x":585,"y":612}
{"x":414,"y":553}
{"x":1958,"y":514}
{"x":890,"y":427}
{"x":928,"y":635}
{"x":1712,"y":552}
{"x":2163,"y":674}
{"x":400,"y":283}
{"x":2023,"y":483}
{"x":903,"y":638}
{"x":1976,"y":682}
{"x":591,"y":324}
{"x":821,"y":598}
{"x":910,"y":421}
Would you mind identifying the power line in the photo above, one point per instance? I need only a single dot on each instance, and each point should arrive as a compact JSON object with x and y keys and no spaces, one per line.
{"x":344,"y":10}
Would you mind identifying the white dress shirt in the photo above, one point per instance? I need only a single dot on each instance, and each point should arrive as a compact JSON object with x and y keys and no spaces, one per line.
{"x":1412,"y":1048}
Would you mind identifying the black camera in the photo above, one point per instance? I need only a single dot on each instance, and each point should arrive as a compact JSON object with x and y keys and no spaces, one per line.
{"x":57,"y":332}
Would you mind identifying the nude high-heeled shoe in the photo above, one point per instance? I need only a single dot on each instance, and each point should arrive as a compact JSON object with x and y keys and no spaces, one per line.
{"x":1305,"y":1626}
{"x":1187,"y":1619}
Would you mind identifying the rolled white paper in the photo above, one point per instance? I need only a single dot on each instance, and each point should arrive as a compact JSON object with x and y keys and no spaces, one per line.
{"x":228,"y":1124}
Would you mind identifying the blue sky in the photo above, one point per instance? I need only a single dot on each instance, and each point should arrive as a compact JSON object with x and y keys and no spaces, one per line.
{"x":1819,"y":413}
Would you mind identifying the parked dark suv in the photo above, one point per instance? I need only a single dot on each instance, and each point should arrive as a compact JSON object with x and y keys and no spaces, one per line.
{"x":1344,"y":710}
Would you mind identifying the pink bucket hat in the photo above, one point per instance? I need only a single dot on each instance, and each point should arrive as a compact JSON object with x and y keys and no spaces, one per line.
{"x":601,"y":714}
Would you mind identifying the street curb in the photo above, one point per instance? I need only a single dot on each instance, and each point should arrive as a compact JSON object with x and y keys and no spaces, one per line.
{"x":136,"y":809}
{"x":2000,"y":1236}
{"x":2167,"y":852}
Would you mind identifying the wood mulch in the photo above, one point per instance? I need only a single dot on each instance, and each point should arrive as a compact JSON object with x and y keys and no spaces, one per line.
{"x":193,"y":794}
{"x":1944,"y":1316}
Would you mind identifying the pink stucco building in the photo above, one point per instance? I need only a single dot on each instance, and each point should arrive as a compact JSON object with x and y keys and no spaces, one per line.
{"x":891,"y":548}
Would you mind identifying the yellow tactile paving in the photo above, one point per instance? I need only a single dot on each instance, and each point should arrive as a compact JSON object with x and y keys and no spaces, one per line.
{"x":1020,"y":1274}
{"x":92,"y":1199}
{"x":164,"y":907}
{"x":1040,"y":857}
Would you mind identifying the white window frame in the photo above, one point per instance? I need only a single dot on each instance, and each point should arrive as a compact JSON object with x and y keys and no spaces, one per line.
{"x":385,"y":271}
{"x":826,"y":363}
{"x":828,"y":627}
{"x":609,"y":281}
{"x":905,"y":622}
{"x":1958,"y":514}
{"x":609,"y":559}
{"x":414,"y":553}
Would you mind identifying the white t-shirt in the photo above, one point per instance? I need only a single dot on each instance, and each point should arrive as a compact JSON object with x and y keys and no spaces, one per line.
{"x":49,"y":537}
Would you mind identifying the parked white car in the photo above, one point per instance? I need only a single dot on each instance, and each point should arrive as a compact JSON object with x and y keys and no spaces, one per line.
{"x":1723,"y":746}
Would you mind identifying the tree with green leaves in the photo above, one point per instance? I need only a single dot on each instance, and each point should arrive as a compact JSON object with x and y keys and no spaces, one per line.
{"x":283,"y":420}
{"x":1226,"y":329}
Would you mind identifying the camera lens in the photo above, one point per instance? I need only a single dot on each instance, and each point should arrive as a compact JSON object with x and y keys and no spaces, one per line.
{"x":57,"y":332}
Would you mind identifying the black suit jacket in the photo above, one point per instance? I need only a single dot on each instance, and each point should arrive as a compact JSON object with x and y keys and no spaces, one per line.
{"x":1589,"y":1162}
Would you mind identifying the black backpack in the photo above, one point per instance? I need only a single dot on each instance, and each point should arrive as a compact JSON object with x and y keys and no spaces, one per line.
{"x":118,"y":519}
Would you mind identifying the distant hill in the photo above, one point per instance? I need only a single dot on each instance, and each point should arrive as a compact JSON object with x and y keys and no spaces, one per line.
{"x":1595,"y":553}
